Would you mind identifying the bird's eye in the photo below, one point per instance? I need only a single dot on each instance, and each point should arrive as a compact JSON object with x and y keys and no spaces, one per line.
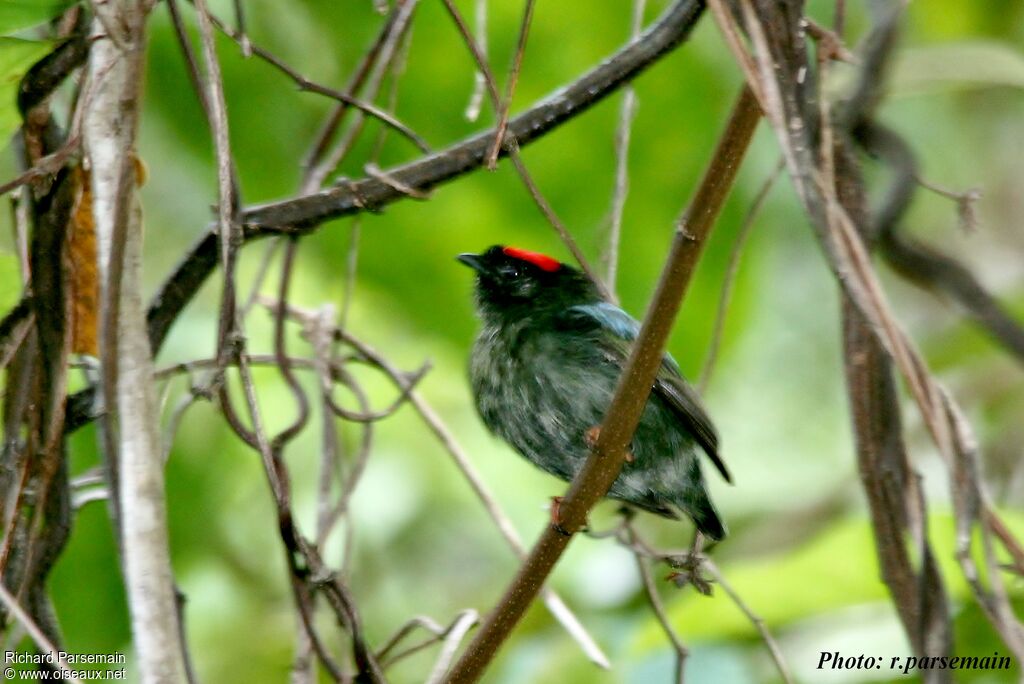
{"x":510,"y":272}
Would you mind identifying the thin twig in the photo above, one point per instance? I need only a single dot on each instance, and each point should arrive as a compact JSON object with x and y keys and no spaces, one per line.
{"x":281,"y":353}
{"x":304,"y":213}
{"x":510,"y":87}
{"x":627,"y":113}
{"x":389,"y":51}
{"x":629,"y":400}
{"x":651,"y":590}
{"x":511,"y":147}
{"x":452,"y":639}
{"x":319,"y":147}
{"x":731,"y":271}
{"x":37,"y":635}
{"x":46,"y":166}
{"x":755,"y":619}
{"x":228,"y":230}
{"x":462,"y":461}
{"x":307,"y":85}
{"x":240,"y":32}
{"x":966,"y":201}
{"x":476,"y":98}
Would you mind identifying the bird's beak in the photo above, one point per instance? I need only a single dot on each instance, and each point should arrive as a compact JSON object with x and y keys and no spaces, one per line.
{"x":473,"y":261}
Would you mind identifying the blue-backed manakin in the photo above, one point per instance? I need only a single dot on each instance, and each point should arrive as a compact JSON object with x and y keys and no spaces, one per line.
{"x":543,"y":370}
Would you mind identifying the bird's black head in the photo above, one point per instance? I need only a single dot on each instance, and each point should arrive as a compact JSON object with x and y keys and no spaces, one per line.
{"x":514,"y":282}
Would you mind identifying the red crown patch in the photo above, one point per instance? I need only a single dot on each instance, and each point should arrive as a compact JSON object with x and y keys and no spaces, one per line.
{"x":541,"y":261}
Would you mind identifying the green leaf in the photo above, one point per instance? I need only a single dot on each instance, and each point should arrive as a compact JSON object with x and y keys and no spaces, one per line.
{"x":19,"y":14}
{"x":958,"y":65}
{"x":16,"y":57}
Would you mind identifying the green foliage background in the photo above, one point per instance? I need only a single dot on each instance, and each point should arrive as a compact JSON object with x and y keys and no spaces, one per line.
{"x":800,"y":551}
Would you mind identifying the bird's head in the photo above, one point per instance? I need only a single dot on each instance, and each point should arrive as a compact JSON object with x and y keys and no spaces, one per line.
{"x":514,"y":282}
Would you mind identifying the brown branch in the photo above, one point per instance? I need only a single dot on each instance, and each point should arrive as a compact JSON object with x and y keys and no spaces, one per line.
{"x":306,"y":85}
{"x":629,"y":400}
{"x":304,"y":213}
{"x":658,"y":608}
{"x":891,"y":484}
{"x":510,"y":88}
{"x":314,"y":156}
{"x":461,"y":459}
{"x":922,"y":264}
{"x":755,"y":619}
{"x":778,"y":41}
{"x":627,"y":112}
{"x":731,"y":272}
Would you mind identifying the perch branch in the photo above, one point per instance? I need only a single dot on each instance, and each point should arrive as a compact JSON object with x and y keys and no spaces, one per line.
{"x":306,"y":212}
{"x":629,"y":400}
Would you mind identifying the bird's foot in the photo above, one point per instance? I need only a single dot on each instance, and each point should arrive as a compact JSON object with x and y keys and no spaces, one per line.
{"x":591,"y":435}
{"x":556,"y":520}
{"x":688,"y":569}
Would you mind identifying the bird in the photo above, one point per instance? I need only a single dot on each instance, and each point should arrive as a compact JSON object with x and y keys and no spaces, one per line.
{"x":543,"y":369}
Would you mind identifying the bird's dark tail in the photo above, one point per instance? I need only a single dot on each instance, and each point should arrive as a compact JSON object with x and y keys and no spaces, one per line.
{"x":708,"y":522}
{"x":699,"y":508}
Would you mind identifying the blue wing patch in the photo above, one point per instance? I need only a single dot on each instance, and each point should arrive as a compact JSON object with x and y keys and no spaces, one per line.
{"x":609,"y":317}
{"x":618,"y":322}
{"x":672,"y":387}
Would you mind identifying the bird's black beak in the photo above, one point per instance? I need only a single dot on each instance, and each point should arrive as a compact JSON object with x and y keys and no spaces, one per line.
{"x":473,"y":261}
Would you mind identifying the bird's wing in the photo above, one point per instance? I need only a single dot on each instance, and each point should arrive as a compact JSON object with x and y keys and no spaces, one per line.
{"x":669,"y":383}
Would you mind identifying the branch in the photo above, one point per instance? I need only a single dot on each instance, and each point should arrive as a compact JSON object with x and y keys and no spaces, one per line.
{"x":627,"y":112}
{"x":555,"y":605}
{"x":778,"y":40}
{"x":306,"y":85}
{"x":629,"y":400}
{"x":925,"y":265}
{"x":731,"y":273}
{"x":42,"y":643}
{"x":512,"y":149}
{"x":304,"y":213}
{"x":755,"y":619}
{"x":109,"y":130}
{"x":510,"y":88}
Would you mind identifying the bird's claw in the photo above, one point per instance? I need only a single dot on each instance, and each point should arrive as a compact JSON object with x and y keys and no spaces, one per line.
{"x":688,"y":570}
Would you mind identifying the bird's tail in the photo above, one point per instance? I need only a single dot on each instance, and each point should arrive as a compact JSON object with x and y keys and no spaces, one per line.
{"x":698,"y":506}
{"x":708,"y":522}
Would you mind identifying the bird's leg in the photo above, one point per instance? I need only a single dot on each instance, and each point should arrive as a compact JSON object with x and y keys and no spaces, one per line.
{"x":687,"y":567}
{"x":591,"y":435}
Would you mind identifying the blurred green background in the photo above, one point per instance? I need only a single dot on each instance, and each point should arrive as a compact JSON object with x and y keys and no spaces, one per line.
{"x":800,"y":552}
